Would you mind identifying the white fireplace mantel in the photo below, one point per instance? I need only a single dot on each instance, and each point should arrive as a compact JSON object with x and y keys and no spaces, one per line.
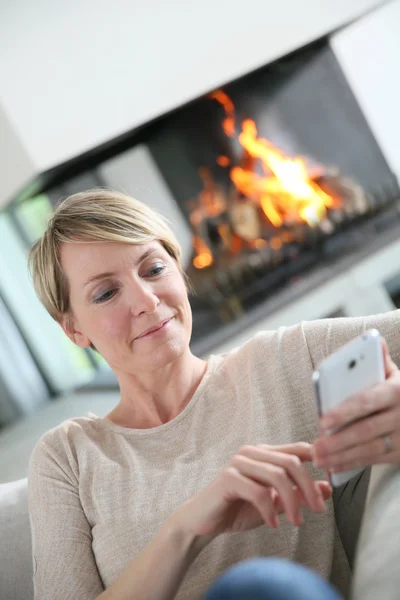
{"x":76,"y":74}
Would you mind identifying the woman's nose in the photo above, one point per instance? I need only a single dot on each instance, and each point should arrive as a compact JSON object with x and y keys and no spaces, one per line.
{"x":144,"y":300}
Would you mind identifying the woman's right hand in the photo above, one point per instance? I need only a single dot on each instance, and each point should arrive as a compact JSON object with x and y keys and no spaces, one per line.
{"x":257,"y":484}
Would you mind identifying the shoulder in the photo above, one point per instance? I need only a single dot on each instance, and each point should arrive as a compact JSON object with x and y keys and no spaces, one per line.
{"x":59,"y":448}
{"x":268,"y":354}
{"x":269,"y":345}
{"x":316,"y":338}
{"x":325,"y":336}
{"x":295,"y":349}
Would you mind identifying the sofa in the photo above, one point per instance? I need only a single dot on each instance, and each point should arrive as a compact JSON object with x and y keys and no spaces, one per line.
{"x":16,"y":568}
{"x":377,"y":562}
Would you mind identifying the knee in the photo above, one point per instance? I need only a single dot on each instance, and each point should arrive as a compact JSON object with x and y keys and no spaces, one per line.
{"x":269,"y":578}
{"x":256,"y":578}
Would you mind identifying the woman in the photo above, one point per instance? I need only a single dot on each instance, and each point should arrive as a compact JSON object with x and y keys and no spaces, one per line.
{"x":188,"y":474}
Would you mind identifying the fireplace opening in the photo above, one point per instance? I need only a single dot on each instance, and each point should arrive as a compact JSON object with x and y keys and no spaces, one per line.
{"x":277,"y":174}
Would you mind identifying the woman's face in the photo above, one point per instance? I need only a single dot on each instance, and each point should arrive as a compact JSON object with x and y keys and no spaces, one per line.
{"x":129,"y":301}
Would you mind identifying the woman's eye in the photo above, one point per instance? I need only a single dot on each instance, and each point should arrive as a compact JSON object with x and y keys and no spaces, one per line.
{"x":104,"y":296}
{"x":156,"y":270}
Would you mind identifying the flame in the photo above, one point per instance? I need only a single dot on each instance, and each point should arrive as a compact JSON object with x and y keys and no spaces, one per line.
{"x":223,"y":161}
{"x":204,"y":256}
{"x":258,"y":244}
{"x":275,"y":243}
{"x":283,"y":189}
{"x":286,"y":188}
{"x":225,"y":234}
{"x":211,"y":199}
{"x":228,"y":123}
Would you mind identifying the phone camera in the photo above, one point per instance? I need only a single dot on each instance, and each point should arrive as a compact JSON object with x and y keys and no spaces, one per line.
{"x":352,"y":364}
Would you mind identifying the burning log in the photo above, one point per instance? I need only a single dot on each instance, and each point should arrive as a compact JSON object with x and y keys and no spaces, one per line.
{"x":348,"y":195}
{"x":245,"y":219}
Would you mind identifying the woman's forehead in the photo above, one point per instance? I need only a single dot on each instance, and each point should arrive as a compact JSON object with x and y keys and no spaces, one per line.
{"x":83,"y":260}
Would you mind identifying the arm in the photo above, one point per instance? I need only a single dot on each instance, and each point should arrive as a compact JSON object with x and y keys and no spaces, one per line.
{"x":63,"y":561}
{"x":327,"y":335}
{"x":159,"y":569}
{"x":324,"y":337}
{"x":64,"y":564}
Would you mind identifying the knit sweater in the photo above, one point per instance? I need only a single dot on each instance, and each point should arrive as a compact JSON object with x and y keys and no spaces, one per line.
{"x":98,"y":492}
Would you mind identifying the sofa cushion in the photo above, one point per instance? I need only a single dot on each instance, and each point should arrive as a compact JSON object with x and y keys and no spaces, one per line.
{"x":16,"y":571}
{"x":377,"y":568}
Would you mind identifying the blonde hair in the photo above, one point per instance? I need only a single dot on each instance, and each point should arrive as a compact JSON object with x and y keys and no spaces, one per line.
{"x":93,"y":216}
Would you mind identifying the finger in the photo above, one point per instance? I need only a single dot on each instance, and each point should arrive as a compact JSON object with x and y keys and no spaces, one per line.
{"x":325,"y":489}
{"x":303,"y":480}
{"x":324,"y":486}
{"x":390,"y":367}
{"x":293,"y":467}
{"x":269,"y":474}
{"x":357,"y":433}
{"x":292,"y":464}
{"x":375,"y":399}
{"x":240,"y":487}
{"x":301,"y":449}
{"x":372,"y":453}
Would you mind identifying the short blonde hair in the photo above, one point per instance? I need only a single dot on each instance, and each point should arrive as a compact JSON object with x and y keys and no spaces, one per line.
{"x":93,"y":216}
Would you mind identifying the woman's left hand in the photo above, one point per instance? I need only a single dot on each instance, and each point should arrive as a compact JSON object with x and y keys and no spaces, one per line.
{"x":372,"y":440}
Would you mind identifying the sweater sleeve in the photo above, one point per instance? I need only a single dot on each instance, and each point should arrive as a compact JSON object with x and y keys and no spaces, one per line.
{"x":63,"y":561}
{"x":325,"y":336}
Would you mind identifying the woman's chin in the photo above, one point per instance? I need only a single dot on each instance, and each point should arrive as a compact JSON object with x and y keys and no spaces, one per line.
{"x":168,"y":353}
{"x":157,"y":356}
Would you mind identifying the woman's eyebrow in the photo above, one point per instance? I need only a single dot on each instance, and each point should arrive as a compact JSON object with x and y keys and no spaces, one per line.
{"x":111,"y":274}
{"x":99,"y":276}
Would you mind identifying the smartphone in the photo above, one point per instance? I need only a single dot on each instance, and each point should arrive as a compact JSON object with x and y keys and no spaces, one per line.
{"x":358,"y":365}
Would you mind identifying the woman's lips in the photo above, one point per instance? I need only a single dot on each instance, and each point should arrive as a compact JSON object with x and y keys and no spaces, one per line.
{"x":156,"y":330}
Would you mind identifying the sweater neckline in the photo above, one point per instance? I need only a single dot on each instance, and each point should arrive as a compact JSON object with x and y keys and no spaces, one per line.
{"x":212,"y":364}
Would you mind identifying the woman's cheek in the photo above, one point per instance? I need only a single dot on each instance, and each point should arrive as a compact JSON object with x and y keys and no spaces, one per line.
{"x":113,"y":326}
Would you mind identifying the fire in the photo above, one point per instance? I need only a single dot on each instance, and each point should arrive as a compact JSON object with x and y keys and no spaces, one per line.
{"x":228,"y":123}
{"x":223,"y":161}
{"x":204,"y":257}
{"x":286,"y":189}
{"x":283,"y":188}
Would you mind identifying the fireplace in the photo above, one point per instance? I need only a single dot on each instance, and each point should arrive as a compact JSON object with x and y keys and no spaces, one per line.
{"x":276,"y":174}
{"x":277,"y":177}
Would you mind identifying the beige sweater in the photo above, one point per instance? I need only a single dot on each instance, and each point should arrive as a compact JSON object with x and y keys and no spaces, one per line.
{"x":99,"y":493}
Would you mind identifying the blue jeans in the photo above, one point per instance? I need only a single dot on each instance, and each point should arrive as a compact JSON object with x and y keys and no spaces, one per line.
{"x":270,"y":579}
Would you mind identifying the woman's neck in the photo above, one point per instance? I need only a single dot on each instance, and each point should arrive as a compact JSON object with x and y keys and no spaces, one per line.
{"x":157,"y":397}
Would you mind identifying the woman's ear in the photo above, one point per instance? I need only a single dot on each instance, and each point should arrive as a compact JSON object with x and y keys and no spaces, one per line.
{"x":69,"y":326}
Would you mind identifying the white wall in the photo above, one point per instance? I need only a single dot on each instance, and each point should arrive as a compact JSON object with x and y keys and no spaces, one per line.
{"x":369,"y":54}
{"x":16,"y":166}
{"x":76,"y":73}
{"x":135,"y":172}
